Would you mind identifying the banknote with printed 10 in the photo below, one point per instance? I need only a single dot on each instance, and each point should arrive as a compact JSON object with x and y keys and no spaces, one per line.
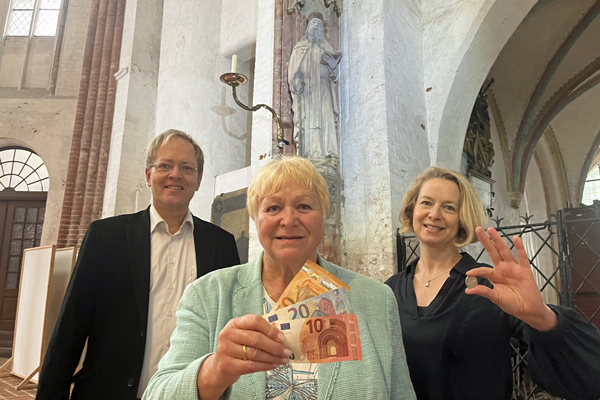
{"x":325,"y":339}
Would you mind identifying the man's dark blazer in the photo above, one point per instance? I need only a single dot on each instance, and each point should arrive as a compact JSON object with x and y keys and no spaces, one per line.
{"x":107,"y":301}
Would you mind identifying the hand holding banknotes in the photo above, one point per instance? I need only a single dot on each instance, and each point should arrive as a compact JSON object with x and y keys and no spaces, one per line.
{"x":246,"y":345}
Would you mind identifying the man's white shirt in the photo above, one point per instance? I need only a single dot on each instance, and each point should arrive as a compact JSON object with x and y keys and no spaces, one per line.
{"x":173,"y":267}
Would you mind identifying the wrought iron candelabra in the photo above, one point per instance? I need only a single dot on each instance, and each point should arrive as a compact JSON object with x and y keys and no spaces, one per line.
{"x":234,"y":80}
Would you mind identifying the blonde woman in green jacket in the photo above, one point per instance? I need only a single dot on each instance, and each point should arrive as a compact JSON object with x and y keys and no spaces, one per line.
{"x":223,"y":349}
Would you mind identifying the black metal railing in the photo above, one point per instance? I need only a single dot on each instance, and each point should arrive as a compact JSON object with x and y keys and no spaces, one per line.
{"x":582,"y":262}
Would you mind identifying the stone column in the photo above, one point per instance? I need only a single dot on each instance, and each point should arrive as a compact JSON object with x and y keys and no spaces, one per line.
{"x":135,"y":108}
{"x":262,"y":134}
{"x":383,"y":141}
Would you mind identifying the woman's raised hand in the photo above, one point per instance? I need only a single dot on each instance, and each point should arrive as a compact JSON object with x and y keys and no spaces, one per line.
{"x":515,"y":290}
{"x":246,"y":345}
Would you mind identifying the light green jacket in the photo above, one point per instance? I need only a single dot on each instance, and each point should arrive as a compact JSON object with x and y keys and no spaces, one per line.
{"x":211,"y":301}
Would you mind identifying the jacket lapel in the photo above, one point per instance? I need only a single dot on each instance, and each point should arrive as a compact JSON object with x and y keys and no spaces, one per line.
{"x":203,"y":244}
{"x":138,"y":247}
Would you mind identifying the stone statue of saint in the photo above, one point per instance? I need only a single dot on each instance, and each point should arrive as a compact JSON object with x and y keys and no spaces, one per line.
{"x":312,"y":77}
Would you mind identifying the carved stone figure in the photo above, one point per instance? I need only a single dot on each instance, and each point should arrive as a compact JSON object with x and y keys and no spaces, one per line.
{"x":478,"y":145}
{"x":312,"y":78}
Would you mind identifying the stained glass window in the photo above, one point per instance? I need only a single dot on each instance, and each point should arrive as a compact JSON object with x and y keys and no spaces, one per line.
{"x":22,"y":170}
{"x":591,"y":190}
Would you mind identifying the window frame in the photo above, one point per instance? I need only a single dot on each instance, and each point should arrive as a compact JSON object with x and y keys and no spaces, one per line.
{"x":37,"y":7}
{"x":597,"y":166}
{"x":45,"y":186}
{"x":30,"y":37}
{"x":10,"y":15}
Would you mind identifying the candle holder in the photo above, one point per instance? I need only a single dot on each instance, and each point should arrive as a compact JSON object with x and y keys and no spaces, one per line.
{"x":234,"y":80}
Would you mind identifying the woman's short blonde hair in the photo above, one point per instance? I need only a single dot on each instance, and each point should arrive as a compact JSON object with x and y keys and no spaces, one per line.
{"x":470,"y":209}
{"x":287,"y":171}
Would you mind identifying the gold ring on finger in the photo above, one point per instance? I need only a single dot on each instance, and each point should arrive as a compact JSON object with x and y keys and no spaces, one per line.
{"x":244,"y":353}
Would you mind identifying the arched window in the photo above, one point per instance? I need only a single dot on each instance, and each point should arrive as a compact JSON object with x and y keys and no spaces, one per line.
{"x":22,"y":170}
{"x":591,"y":190}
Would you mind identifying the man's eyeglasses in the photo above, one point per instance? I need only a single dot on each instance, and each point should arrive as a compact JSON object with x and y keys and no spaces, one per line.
{"x":165,"y":167}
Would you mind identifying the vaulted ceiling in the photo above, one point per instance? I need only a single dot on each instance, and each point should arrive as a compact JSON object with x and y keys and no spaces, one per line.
{"x":546,"y":83}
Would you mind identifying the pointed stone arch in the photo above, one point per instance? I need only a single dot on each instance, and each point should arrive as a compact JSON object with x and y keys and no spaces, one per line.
{"x":537,"y":116}
{"x":495,"y":24}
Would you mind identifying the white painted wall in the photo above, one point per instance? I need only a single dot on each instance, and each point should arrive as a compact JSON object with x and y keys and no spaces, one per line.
{"x":238,"y":28}
{"x":189,"y":88}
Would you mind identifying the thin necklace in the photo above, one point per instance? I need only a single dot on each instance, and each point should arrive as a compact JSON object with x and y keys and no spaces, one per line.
{"x":427,"y":284}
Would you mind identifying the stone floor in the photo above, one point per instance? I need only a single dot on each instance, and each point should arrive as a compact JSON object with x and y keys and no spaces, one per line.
{"x":7,"y":387}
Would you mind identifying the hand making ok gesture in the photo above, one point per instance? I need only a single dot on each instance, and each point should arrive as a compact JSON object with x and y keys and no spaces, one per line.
{"x":514,"y":288}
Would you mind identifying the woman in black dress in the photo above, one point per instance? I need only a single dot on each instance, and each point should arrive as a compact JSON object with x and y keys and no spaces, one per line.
{"x":457,"y":339}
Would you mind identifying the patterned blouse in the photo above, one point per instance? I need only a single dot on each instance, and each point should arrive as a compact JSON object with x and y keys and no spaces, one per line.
{"x":293,"y":381}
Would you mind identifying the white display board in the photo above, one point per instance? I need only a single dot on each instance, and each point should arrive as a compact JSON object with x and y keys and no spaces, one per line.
{"x":36,"y":276}
{"x":64,"y":261}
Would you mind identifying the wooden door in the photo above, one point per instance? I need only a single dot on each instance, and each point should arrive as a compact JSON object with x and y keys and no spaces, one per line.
{"x":21,"y":223}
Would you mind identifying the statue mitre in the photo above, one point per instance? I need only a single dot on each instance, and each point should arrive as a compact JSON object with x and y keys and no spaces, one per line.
{"x":310,"y":7}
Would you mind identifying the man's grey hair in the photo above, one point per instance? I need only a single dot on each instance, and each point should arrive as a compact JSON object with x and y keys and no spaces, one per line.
{"x":164,"y":137}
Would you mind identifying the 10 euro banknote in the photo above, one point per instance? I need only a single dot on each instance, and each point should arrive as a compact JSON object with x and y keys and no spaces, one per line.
{"x":325,"y":339}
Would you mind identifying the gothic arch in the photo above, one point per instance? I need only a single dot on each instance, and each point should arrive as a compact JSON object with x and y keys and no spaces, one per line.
{"x":532,"y":127}
{"x":482,"y":47}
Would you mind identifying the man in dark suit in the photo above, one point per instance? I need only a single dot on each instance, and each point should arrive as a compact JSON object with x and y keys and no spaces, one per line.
{"x":130,"y":273}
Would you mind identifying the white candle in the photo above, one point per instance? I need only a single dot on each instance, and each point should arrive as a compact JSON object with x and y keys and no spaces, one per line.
{"x":234,"y":63}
